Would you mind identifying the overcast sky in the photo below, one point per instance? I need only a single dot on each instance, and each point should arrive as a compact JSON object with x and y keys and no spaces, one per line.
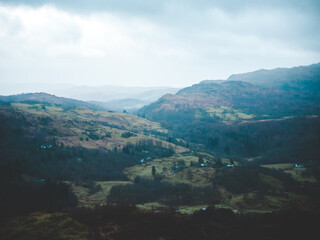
{"x":153,"y":43}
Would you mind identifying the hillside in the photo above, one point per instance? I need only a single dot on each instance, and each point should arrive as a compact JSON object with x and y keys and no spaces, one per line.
{"x":263,"y":94}
{"x":239,"y":118}
{"x":84,"y":127}
{"x":303,"y":78}
{"x":46,"y":98}
{"x":61,"y":166}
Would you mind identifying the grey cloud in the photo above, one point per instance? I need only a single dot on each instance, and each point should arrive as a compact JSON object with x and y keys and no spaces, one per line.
{"x":188,"y":41}
{"x":152,"y":7}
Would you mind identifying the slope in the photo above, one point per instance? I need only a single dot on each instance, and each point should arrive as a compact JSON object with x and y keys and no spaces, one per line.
{"x":238,"y":118}
{"x":46,"y":98}
{"x":87,"y":128}
{"x":303,"y":78}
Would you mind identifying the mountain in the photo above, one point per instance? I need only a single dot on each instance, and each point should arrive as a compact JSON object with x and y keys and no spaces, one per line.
{"x":46,"y":98}
{"x":302,"y":78}
{"x":242,"y":118}
{"x":263,"y":94}
{"x":114,"y":97}
{"x":111,"y":93}
{"x":232,"y":100}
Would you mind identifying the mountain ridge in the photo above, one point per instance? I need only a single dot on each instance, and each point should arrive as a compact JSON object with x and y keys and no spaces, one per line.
{"x":241,"y":92}
{"x":42,"y":97}
{"x":281,"y":77}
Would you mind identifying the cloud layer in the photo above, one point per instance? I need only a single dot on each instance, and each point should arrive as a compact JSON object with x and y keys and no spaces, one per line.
{"x":150,"y":44}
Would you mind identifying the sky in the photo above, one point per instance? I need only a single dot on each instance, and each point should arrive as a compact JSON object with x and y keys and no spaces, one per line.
{"x":152,"y":43}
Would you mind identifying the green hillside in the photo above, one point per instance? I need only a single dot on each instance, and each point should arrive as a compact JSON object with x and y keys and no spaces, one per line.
{"x":87,"y":128}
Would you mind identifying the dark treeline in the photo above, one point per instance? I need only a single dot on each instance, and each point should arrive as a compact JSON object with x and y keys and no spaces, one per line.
{"x":20,"y":197}
{"x":63,"y":163}
{"x":288,"y":140}
{"x":251,"y":177}
{"x":248,"y":178}
{"x":148,"y":147}
{"x":145,"y":190}
{"x":125,"y":222}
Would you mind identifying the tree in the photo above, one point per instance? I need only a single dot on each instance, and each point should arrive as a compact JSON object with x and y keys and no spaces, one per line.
{"x":153,"y":170}
{"x":218,"y":163}
{"x":200,"y":160}
{"x":189,"y":175}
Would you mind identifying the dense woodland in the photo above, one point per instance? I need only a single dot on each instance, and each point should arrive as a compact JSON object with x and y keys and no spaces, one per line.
{"x":289,"y":140}
{"x":144,"y":190}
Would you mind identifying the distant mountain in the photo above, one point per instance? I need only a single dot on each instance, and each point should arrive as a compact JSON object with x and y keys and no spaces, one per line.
{"x":277,"y":119}
{"x":103,"y":93}
{"x":116,"y":98}
{"x":135,"y":100}
{"x":110,"y":93}
{"x":263,"y":93}
{"x":47,"y":99}
{"x":303,"y":78}
{"x":231,"y":100}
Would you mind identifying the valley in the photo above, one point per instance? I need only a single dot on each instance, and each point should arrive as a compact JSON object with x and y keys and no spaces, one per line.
{"x":219,"y":153}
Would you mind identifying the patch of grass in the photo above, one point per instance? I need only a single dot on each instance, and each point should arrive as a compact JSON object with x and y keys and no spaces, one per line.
{"x":270,"y":202}
{"x":227,"y":113}
{"x":251,"y":203}
{"x":296,"y":173}
{"x":152,"y":206}
{"x":226,"y":206}
{"x":191,"y":209}
{"x":272,"y":181}
{"x":87,"y":200}
{"x":283,"y":166}
{"x":201,"y":176}
{"x":198,"y":176}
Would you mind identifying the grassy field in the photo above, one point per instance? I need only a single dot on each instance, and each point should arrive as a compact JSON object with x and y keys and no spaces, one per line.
{"x":297,"y":173}
{"x":198,"y":176}
{"x":191,"y":209}
{"x":283,"y":166}
{"x":228,"y":113}
{"x":272,"y":181}
{"x":250,"y":202}
{"x":87,"y":200}
{"x":154,"y":206}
